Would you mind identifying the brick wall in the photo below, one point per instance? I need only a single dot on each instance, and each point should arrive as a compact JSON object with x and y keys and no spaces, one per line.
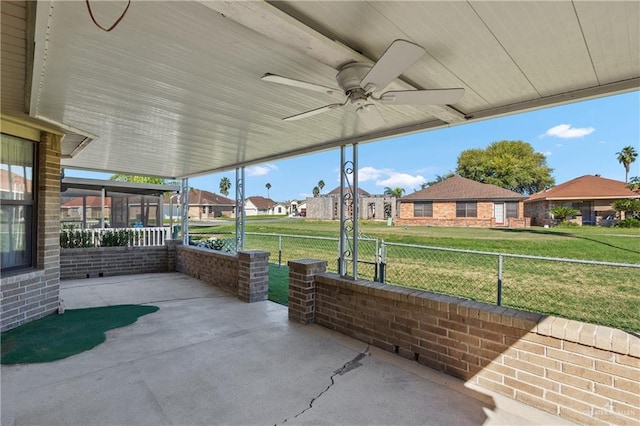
{"x":26,"y":295}
{"x":444,"y":214}
{"x":212,"y":267}
{"x":586,"y":373}
{"x":108,"y":261}
{"x":245,"y":275}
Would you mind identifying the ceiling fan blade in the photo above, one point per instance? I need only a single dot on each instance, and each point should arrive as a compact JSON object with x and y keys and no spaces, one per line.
{"x":398,"y":57}
{"x":313,"y":112}
{"x":370,"y":116}
{"x":273,"y":78}
{"x":422,"y":97}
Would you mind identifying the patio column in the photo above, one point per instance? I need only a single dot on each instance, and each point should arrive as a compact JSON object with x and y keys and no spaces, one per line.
{"x":302,"y":289}
{"x":253,"y":275}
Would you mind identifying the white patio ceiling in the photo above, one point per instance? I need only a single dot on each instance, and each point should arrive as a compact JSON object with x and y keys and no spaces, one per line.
{"x":174,"y":90}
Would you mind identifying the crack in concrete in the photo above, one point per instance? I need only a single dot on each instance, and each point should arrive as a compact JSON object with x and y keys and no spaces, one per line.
{"x":348,"y":366}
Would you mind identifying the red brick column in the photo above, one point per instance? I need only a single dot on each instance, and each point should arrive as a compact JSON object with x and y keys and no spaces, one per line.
{"x":253,"y":275}
{"x":302,"y":288}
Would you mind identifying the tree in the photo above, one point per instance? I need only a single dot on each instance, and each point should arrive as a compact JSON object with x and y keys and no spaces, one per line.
{"x":634,"y":184}
{"x":438,"y":179}
{"x":563,"y":212}
{"x":320,"y":185}
{"x":394,"y":192}
{"x":626,"y":156}
{"x":137,"y":179}
{"x":268,"y":186}
{"x":625,"y":206}
{"x":512,"y":165}
{"x":225,"y":186}
{"x":316,"y":191}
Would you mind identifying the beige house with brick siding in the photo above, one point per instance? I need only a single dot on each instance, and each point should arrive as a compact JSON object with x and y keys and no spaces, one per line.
{"x":591,"y":194}
{"x":459,"y":201}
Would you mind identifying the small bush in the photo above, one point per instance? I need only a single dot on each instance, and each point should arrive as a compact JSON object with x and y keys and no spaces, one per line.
{"x":119,"y":238}
{"x":75,"y":239}
{"x":627,"y":223}
{"x":567,"y":225}
{"x":213,"y":244}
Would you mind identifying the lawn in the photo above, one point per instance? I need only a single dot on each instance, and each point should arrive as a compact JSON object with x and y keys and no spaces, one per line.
{"x":607,"y":295}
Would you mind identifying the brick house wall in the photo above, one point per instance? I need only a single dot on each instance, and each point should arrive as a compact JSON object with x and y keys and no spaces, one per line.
{"x":30,"y":294}
{"x":444,"y":214}
{"x":582,"y":372}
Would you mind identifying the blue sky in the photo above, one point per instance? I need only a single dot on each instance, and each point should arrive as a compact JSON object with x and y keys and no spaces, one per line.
{"x":577,"y":139}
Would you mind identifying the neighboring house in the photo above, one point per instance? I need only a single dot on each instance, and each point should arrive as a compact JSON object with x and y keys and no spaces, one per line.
{"x":256,"y":205}
{"x":591,"y":194}
{"x":204,"y":205}
{"x":327,"y":206}
{"x":72,"y":208}
{"x":280,"y":208}
{"x":459,"y":201}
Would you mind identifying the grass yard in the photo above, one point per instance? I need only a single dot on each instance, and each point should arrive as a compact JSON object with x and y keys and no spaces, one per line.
{"x":279,"y":284}
{"x":607,"y":295}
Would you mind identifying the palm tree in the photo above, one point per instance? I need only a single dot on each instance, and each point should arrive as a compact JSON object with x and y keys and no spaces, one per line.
{"x":316,"y":191}
{"x":626,"y":156}
{"x":225,"y":186}
{"x":395,"y":192}
{"x":268,"y":186}
{"x":320,"y":185}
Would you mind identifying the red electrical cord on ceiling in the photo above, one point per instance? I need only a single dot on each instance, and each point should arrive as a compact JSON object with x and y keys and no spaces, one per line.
{"x":115,"y":24}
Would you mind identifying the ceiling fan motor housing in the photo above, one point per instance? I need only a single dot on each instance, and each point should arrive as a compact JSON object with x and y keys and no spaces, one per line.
{"x":349,"y":79}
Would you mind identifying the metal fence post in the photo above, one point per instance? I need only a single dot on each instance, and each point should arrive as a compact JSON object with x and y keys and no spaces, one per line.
{"x":499,"y":298}
{"x":279,"y":251}
{"x":383,"y":262}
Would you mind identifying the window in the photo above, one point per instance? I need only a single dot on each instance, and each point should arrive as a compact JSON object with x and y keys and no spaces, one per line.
{"x":423,"y":209}
{"x":466,"y":208}
{"x":512,"y":209}
{"x":17,"y":230}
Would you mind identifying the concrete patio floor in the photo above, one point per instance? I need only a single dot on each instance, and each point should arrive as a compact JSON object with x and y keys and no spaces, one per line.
{"x":207,"y":358}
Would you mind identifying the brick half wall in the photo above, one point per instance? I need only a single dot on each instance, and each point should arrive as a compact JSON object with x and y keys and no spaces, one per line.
{"x":585,"y":373}
{"x":245,"y":275}
{"x":108,"y":261}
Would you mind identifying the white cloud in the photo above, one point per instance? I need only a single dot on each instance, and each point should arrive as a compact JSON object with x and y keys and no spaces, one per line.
{"x":566,"y":131}
{"x":546,"y":154}
{"x":260,"y":170}
{"x":402,"y":180}
{"x":370,"y":173}
{"x":559,"y":144}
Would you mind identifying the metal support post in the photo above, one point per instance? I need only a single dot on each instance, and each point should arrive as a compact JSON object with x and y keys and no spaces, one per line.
{"x":499,"y":298}
{"x":348,"y":212}
{"x":240,"y":213}
{"x":185,"y":211}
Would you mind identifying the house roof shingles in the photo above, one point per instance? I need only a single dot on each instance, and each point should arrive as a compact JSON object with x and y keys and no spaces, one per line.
{"x":200,"y":197}
{"x":261,"y":203}
{"x":586,"y":187}
{"x":460,"y":188}
{"x":361,"y":192}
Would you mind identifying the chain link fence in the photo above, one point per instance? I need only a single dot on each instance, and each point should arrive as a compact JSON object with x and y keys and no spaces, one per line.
{"x":596,"y":292}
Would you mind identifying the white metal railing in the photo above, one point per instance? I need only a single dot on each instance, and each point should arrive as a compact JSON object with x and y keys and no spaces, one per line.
{"x":136,"y":237}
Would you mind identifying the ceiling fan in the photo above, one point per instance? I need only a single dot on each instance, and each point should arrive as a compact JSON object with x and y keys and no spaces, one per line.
{"x":359,"y":81}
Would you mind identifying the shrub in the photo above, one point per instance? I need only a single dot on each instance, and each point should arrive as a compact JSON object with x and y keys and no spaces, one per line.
{"x":627,"y":223}
{"x":119,"y":238}
{"x":567,"y":225}
{"x":563,"y":212}
{"x":213,"y":244}
{"x":75,"y":239}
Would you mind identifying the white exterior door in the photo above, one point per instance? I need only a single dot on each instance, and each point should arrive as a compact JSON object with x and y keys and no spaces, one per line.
{"x":498,"y":213}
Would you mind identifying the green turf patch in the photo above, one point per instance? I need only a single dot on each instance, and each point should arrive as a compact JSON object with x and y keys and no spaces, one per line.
{"x":279,"y":284}
{"x":57,"y":337}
